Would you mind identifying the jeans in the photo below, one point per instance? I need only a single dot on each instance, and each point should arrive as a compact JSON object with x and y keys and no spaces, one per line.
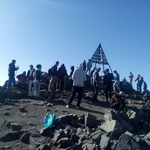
{"x":108,"y":88}
{"x":11,"y":81}
{"x":36,"y":88}
{"x":30,"y":87}
{"x":76,"y":89}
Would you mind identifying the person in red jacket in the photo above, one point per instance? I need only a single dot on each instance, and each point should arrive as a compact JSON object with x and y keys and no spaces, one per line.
{"x":30,"y":79}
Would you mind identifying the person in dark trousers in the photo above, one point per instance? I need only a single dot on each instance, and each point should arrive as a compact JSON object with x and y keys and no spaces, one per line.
{"x":131,"y":78}
{"x":62,"y":72}
{"x":54,"y":75}
{"x":70,"y":76}
{"x":37,"y":80}
{"x":139,"y":80}
{"x":95,"y":82}
{"x":21,"y":77}
{"x":30,"y":79}
{"x":78,"y":77}
{"x":84,"y":65}
{"x":11,"y":73}
{"x":107,"y":81}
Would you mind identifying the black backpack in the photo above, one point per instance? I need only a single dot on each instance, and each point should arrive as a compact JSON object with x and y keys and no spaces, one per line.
{"x":50,"y":71}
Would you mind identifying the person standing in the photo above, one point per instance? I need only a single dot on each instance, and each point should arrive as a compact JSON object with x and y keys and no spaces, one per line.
{"x":30,"y":79}
{"x":107,"y":81}
{"x":131,"y":78}
{"x":70,"y":76}
{"x":54,"y":75}
{"x":62,"y":72}
{"x":95,"y":82}
{"x":37,"y":80}
{"x":116,"y":82}
{"x":11,"y":73}
{"x":78,"y":77}
{"x":88,"y":66}
{"x":84,"y":65}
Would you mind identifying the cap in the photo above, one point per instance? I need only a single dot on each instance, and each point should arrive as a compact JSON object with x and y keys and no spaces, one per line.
{"x":122,"y":93}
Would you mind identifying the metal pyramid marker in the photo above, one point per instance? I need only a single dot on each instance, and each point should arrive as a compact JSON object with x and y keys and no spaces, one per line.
{"x":99,"y":57}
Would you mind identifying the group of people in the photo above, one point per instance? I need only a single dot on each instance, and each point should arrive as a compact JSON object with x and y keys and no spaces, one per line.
{"x":77,"y":78}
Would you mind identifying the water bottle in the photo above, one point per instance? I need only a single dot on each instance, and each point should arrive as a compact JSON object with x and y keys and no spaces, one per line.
{"x":46,"y":120}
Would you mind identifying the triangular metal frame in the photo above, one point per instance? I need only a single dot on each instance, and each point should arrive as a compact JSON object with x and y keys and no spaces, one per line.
{"x":99,"y":57}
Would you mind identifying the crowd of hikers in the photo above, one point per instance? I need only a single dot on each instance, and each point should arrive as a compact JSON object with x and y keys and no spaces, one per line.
{"x":85,"y":72}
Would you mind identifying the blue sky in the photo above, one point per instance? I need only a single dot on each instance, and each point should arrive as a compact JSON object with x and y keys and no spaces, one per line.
{"x":44,"y":31}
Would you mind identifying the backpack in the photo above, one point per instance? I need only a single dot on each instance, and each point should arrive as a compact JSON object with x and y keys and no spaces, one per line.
{"x":50,"y":71}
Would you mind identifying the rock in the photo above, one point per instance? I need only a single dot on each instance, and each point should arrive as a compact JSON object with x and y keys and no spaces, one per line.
{"x":15,"y":126}
{"x":96,"y":136}
{"x":147,"y":139}
{"x":128,"y":133}
{"x":35,"y":141}
{"x":74,"y":138}
{"x":134,"y":119}
{"x":110,"y":125}
{"x":64,"y":119}
{"x":104,"y":143}
{"x":58,"y":135}
{"x":45,"y":131}
{"x":90,"y":147}
{"x":25,"y":137}
{"x":6,"y":114}
{"x":43,"y":147}
{"x":22,"y":109}
{"x":125,"y":125}
{"x":126,"y":142}
{"x":11,"y":136}
{"x":115,"y":134}
{"x":8,"y":123}
{"x":64,"y":143}
{"x":90,"y":120}
{"x":110,"y":115}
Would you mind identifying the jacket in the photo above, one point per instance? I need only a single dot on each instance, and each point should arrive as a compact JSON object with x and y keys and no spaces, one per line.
{"x":12,"y":69}
{"x":79,"y":76}
{"x":107,"y":80}
{"x":95,"y":77}
{"x":37,"y":75}
{"x":30,"y":77}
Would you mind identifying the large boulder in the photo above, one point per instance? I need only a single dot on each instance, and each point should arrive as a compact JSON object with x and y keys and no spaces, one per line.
{"x":126,"y":142}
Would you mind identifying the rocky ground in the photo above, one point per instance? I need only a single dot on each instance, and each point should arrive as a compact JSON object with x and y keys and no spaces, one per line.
{"x":21,"y":125}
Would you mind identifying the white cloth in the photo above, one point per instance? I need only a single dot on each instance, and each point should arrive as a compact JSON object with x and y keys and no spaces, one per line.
{"x":31,"y":71}
{"x":79,"y":76}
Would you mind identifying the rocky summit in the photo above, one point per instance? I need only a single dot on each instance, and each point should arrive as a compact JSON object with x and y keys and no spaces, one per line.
{"x":92,"y":127}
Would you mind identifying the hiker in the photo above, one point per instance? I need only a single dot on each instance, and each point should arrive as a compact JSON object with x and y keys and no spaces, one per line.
{"x":139,"y":80}
{"x":144,"y":87}
{"x":95,"y":83}
{"x":131,"y":78}
{"x":84,"y":65}
{"x":116,"y":82}
{"x":11,"y":73}
{"x":30,"y":79}
{"x":78,"y":77}
{"x":70,"y":76}
{"x":37,"y":80}
{"x":62,"y":72}
{"x":91,"y":74}
{"x":108,"y":85}
{"x":88,"y":66}
{"x":21,"y":77}
{"x":54,"y":74}
{"x":118,"y":101}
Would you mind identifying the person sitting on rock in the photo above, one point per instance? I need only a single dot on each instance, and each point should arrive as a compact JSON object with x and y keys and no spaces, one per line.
{"x":118,"y":101}
{"x":21,"y":77}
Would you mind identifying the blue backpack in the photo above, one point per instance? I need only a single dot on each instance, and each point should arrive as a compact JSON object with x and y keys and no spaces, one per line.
{"x":49,"y":120}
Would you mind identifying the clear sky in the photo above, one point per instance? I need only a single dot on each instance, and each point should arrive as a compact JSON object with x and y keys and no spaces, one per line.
{"x":44,"y":31}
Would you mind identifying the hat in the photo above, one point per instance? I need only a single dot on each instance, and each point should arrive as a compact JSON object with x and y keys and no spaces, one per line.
{"x":115,"y":71}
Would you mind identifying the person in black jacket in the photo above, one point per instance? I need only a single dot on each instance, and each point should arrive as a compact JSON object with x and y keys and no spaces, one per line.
{"x":107,"y":81}
{"x":11,"y":73}
{"x":54,"y":75}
